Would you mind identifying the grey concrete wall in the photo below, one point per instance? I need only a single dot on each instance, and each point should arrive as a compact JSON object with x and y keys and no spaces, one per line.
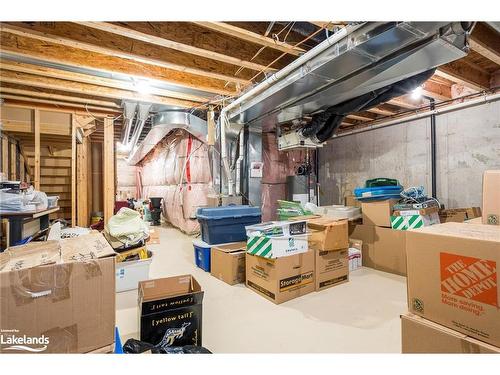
{"x":468,"y":143}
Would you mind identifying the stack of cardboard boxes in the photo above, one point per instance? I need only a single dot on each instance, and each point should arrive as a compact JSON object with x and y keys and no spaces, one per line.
{"x":383,"y":247}
{"x":285,"y":267}
{"x":453,"y":298}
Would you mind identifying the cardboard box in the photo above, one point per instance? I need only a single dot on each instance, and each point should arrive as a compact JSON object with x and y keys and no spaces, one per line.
{"x":351,"y":201}
{"x":227,"y":262}
{"x":452,"y":277}
{"x":390,"y":250}
{"x":459,"y":215}
{"x":58,"y":296}
{"x":491,"y":197}
{"x":378,"y":212}
{"x":328,"y":234}
{"x":332,"y":268}
{"x":476,"y":220}
{"x":281,"y":279}
{"x":170,"y":311}
{"x":277,"y":239}
{"x":419,"y":335}
{"x":366,"y":234}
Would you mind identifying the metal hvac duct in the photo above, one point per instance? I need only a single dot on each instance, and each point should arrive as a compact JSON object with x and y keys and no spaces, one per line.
{"x":128,"y":115}
{"x":142,"y":116}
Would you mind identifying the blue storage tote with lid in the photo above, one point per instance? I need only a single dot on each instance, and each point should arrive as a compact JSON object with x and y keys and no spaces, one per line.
{"x":202,"y":254}
{"x":226,"y":223}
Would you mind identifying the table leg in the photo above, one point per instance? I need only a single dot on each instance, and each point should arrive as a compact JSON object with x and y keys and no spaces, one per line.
{"x":15,"y":230}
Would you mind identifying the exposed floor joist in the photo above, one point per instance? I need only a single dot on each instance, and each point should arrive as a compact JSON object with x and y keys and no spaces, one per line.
{"x":88,"y":89}
{"x":85,"y":78}
{"x":485,"y":41}
{"x":47,"y":37}
{"x":464,"y":74}
{"x":251,"y":37}
{"x":67,"y":103}
{"x":25,"y":47}
{"x":137,"y":35}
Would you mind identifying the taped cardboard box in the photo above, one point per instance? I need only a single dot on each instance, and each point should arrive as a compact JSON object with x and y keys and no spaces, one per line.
{"x":227,"y":262}
{"x":281,"y":279}
{"x":390,"y":250}
{"x":378,"y":212}
{"x":419,"y":335}
{"x":491,"y":197}
{"x":452,"y":277}
{"x":459,"y":215}
{"x":327,"y":234}
{"x":332,"y":268}
{"x":170,"y":311}
{"x":58,"y":296}
{"x":355,"y":254}
{"x":366,"y":234}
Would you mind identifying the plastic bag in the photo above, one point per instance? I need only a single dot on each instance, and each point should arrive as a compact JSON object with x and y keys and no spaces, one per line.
{"x":133,"y":346}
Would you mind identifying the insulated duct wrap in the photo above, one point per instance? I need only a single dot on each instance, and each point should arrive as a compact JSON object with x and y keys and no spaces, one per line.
{"x":178,"y":170}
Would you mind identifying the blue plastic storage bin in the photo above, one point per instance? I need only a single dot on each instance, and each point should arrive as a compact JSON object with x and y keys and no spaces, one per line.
{"x":202,"y":254}
{"x":226,"y":223}
{"x":377,"y":193}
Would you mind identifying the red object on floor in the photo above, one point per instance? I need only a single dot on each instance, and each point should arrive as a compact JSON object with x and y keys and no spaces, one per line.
{"x":120,"y":204}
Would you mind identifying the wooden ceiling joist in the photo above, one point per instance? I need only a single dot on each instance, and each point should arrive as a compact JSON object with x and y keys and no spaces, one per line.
{"x":252,"y":37}
{"x":88,"y":89}
{"x":25,"y":47}
{"x":436,"y":91}
{"x":47,"y":37}
{"x":464,"y":74}
{"x":85,"y":78}
{"x":55,"y":97}
{"x":56,"y":102}
{"x":152,"y":39}
{"x":485,"y":41}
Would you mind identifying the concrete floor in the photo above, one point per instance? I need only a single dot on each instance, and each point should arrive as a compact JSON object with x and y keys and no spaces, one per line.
{"x":361,"y":316}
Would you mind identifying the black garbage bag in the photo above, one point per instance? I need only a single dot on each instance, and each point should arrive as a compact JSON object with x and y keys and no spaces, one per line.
{"x":133,"y":346}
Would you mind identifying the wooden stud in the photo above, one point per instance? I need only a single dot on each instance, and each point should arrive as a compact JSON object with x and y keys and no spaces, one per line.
{"x":13,"y":164}
{"x":73,"y":171}
{"x":162,"y":42}
{"x":88,"y":47}
{"x":5,"y":156}
{"x":82,"y":176}
{"x":36,"y":122}
{"x":109,"y":169}
{"x":22,"y":169}
{"x":251,"y":37}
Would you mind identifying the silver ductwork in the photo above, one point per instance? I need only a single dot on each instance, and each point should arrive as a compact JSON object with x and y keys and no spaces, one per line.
{"x":128,"y":118}
{"x":162,"y":124}
{"x":142,"y":115}
{"x":355,"y":61}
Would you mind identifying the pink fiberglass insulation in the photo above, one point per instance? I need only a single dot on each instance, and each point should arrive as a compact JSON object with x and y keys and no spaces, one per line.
{"x":178,"y":170}
{"x":271,"y":193}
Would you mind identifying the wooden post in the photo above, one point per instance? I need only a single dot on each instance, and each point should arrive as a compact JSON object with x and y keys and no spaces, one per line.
{"x":73,"y":170}
{"x":36,"y":121}
{"x":13,"y":164}
{"x":21,"y":168}
{"x":109,"y":169}
{"x":82,"y":177}
{"x":5,"y":156}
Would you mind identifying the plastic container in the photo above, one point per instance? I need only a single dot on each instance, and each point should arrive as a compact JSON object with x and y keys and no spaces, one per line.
{"x":342,"y":212}
{"x":379,"y":192}
{"x":226,"y":223}
{"x":52,"y":201}
{"x":128,"y":274}
{"x":202,"y":254}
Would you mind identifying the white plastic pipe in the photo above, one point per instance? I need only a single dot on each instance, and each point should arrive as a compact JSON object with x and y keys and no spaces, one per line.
{"x":238,"y":163}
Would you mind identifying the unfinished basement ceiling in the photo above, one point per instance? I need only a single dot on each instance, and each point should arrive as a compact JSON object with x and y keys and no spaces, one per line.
{"x":187,"y":65}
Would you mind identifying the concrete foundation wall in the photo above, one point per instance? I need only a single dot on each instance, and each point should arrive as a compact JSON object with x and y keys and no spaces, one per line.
{"x":468,"y":143}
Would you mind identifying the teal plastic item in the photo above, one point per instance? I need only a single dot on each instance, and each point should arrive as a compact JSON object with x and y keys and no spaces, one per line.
{"x":147,"y":213}
{"x":381,"y":181}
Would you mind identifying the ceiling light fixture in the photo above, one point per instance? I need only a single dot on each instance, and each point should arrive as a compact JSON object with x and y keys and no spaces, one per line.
{"x":143,"y":87}
{"x":417,"y":93}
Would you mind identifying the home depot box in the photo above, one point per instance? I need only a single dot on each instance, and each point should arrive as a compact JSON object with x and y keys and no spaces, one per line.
{"x":227,"y":262}
{"x":452,"y":277}
{"x":170,"y":311}
{"x":58,"y":296}
{"x":390,"y":250}
{"x":491,"y":197}
{"x":419,"y":335}
{"x":281,"y":279}
{"x":327,"y":234}
{"x":366,"y":234}
{"x":378,"y":212}
{"x":332,"y":268}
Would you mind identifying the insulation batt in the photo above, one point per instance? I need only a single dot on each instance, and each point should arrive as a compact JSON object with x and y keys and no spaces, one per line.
{"x":178,"y":170}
